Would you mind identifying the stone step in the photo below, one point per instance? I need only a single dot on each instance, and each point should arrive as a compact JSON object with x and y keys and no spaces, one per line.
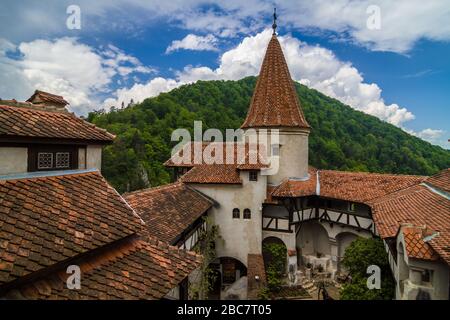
{"x":308,"y":285}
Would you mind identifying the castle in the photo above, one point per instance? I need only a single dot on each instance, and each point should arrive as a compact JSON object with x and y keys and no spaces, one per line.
{"x":56,"y":210}
{"x":314,"y":213}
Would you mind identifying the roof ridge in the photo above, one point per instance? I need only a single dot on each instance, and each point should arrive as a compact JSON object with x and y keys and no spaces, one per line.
{"x":375,"y":173}
{"x":152,"y":189}
{"x":32,"y":107}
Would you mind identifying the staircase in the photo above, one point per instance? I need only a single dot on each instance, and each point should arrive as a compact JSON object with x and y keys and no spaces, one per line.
{"x":309,"y":286}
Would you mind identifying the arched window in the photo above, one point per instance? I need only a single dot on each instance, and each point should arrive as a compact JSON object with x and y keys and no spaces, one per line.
{"x":236,"y":213}
{"x":247,"y":214}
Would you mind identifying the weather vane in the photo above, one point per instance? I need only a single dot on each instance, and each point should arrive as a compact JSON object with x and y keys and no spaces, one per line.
{"x":274,"y":25}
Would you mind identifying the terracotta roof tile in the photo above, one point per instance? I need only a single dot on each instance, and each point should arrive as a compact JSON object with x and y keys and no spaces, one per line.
{"x":297,"y":188}
{"x":352,"y":186}
{"x":441,"y":180}
{"x":168,"y":210}
{"x":247,"y":158}
{"x":134,"y":269}
{"x":28,"y":122}
{"x":275,"y":102}
{"x":362,"y":186}
{"x":416,"y":247}
{"x":418,"y":206}
{"x":46,"y":220}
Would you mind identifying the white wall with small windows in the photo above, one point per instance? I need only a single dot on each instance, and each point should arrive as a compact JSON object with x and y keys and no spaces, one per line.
{"x":419,"y":279}
{"x":30,"y":158}
{"x":238,"y":215}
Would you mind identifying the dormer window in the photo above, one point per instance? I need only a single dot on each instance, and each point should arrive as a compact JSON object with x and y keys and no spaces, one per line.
{"x":52,"y":157}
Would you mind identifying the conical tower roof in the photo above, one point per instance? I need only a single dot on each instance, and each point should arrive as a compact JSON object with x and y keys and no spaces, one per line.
{"x":275,"y":102}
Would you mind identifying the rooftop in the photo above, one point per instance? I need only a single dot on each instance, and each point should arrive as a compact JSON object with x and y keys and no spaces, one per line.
{"x":275,"y":102}
{"x":50,"y":221}
{"x":169,"y":210}
{"x":25,"y":122}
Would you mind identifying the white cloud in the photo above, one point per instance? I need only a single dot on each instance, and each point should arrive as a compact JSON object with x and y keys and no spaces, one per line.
{"x":434,"y":136}
{"x":138,"y":92}
{"x":65,"y":67}
{"x":313,"y":66}
{"x":430,"y":134}
{"x":403,"y":22}
{"x":194,"y":42}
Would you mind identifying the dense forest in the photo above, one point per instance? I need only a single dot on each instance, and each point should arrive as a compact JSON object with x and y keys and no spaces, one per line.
{"x":341,"y":137}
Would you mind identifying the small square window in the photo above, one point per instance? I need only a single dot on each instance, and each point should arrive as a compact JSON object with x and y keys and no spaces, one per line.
{"x":45,"y":160}
{"x":62,"y":160}
{"x":253,"y":176}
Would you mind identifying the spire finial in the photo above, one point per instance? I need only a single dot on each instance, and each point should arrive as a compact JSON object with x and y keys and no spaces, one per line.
{"x":274,"y":25}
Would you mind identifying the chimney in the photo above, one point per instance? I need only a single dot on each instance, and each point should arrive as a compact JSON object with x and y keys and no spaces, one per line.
{"x":48,"y":101}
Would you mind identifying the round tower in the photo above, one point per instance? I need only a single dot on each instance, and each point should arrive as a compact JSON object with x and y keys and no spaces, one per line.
{"x":275,"y":107}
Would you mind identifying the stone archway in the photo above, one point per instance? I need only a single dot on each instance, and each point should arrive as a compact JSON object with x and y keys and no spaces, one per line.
{"x":312,"y":239}
{"x":268,"y":255}
{"x":227,"y":283}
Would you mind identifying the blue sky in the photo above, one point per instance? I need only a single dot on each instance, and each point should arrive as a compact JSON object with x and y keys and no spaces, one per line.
{"x":397,"y":68}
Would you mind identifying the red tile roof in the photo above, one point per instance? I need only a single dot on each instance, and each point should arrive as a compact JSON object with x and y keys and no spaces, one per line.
{"x":351,"y":186}
{"x":50,"y":222}
{"x":418,"y":206}
{"x":275,"y":102}
{"x":46,"y":220}
{"x":441,"y":180}
{"x":246,"y":158}
{"x":133,"y":269}
{"x":362,"y":186}
{"x":297,"y":188}
{"x":48,"y":97}
{"x":169,"y":210}
{"x":213,"y":174}
{"x":416,"y":247}
{"x":29,"y":122}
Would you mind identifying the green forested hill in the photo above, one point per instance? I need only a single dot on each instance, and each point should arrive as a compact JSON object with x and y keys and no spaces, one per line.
{"x":341,"y":138}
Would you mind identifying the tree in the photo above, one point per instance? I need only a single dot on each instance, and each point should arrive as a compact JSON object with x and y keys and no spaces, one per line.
{"x":360,"y":254}
{"x":341,"y":137}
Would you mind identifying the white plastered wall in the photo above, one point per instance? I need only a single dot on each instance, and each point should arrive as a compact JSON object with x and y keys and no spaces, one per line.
{"x":13,"y":160}
{"x":237,"y":237}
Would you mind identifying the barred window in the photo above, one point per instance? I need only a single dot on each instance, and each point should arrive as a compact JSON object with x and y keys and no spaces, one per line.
{"x":236,"y":213}
{"x":45,"y":160}
{"x":253,"y":175}
{"x":52,"y":157}
{"x":247,"y":214}
{"x":62,"y":160}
